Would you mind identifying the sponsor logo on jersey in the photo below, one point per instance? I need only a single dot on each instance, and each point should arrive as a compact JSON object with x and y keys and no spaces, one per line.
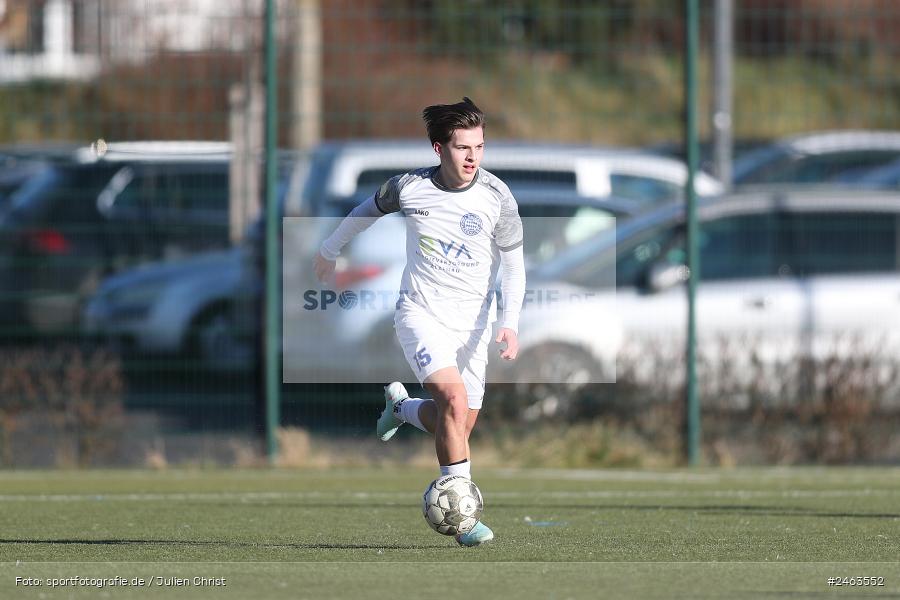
{"x":470,"y":224}
{"x":419,"y":211}
{"x":452,"y":249}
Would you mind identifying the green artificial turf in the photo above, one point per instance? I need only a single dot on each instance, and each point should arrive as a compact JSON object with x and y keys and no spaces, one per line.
{"x":560,"y":534}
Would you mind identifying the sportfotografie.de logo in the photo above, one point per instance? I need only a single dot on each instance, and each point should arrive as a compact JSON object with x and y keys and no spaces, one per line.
{"x":383,"y":300}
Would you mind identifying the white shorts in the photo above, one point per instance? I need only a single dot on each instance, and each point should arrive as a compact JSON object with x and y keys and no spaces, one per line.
{"x":429,"y":346}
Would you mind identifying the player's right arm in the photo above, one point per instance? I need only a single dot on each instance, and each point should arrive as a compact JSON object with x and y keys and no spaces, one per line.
{"x":386,"y":201}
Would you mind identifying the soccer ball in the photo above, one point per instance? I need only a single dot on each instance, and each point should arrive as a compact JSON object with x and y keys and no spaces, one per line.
{"x":452,"y":504}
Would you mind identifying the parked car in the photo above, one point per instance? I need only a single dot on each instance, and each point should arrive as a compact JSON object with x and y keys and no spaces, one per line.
{"x":181,"y":308}
{"x":350,"y":171}
{"x":194,"y":308}
{"x":823,"y":157}
{"x":80,"y":219}
{"x":784,"y":274}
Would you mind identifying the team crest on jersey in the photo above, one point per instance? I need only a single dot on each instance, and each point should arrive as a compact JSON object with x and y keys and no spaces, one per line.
{"x":470,"y":224}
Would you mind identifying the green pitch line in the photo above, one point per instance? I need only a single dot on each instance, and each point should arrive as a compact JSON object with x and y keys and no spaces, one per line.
{"x":559,"y":533}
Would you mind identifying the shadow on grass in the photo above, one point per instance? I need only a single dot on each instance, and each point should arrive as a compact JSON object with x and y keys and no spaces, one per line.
{"x":295,"y":504}
{"x":298,"y":546}
{"x":772,"y":511}
{"x":721,"y":509}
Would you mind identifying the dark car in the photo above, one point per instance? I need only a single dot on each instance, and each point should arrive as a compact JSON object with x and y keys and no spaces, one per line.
{"x":77,"y":221}
{"x":825,"y":157}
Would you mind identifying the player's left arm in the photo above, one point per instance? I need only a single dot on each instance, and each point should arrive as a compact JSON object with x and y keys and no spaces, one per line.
{"x":512,"y":289}
{"x":509,"y":237}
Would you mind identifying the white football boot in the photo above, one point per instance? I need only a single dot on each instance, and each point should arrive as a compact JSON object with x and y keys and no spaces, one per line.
{"x":388,"y":422}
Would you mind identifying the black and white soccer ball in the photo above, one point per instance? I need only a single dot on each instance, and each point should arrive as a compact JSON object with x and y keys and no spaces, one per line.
{"x":452,"y":504}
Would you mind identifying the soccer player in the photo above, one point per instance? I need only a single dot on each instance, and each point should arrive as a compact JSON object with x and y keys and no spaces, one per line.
{"x":462,"y":224}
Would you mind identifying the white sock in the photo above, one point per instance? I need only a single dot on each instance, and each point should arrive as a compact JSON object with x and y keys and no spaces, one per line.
{"x":461,"y":468}
{"x":408,"y":412}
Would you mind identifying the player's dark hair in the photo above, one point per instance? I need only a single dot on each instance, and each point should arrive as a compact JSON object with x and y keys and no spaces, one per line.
{"x":441,"y":120}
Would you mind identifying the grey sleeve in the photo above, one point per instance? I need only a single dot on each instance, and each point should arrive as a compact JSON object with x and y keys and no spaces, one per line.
{"x":387,"y":199}
{"x":360,"y":219}
{"x":508,"y":233}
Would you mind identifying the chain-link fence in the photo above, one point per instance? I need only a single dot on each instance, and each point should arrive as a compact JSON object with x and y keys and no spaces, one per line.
{"x":132,"y":263}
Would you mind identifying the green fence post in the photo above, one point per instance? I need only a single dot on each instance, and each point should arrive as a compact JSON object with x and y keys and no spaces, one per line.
{"x":273,"y":249}
{"x":692,"y":406}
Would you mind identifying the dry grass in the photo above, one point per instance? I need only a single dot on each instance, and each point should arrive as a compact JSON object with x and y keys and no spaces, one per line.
{"x":79,"y":390}
{"x":596,"y":444}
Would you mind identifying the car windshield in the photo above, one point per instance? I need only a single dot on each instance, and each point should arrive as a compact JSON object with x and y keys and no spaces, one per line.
{"x":591,"y":261}
{"x":15,"y":174}
{"x":787,"y":167}
{"x":646,"y":190}
{"x":66,"y":195}
{"x":35,"y":186}
{"x":548,"y":230}
{"x":888,"y":175}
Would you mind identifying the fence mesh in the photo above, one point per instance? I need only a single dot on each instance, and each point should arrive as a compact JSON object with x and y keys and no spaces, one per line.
{"x":132,"y":131}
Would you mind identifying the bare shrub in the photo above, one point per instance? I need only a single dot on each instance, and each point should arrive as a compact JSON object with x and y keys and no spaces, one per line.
{"x":593,"y":444}
{"x":78,"y":390}
{"x":836,"y":401}
{"x":297,"y":448}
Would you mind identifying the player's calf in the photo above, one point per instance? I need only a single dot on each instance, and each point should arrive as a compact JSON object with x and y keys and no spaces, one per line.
{"x":450,"y":429}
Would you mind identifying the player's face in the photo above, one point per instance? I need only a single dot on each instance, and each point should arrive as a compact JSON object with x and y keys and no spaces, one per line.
{"x":461,"y":156}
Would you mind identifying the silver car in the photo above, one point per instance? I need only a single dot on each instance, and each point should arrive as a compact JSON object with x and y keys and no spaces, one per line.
{"x":784,"y":274}
{"x":179,"y":308}
{"x":351,"y":170}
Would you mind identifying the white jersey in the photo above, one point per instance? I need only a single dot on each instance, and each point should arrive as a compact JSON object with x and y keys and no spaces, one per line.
{"x":453,"y":243}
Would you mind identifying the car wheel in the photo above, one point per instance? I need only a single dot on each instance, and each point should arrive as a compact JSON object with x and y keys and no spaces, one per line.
{"x":215,"y":342}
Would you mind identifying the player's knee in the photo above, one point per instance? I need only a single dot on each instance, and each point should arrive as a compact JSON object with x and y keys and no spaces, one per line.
{"x":454,"y":407}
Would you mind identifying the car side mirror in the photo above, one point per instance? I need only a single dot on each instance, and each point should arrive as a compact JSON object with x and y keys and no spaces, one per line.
{"x":663,"y":276}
